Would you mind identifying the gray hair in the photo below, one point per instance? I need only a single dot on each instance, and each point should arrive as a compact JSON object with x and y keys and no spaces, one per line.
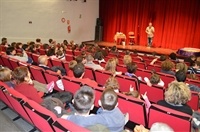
{"x":161,"y":127}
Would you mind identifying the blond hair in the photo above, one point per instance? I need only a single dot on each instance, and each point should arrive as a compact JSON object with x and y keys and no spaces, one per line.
{"x":111,"y":66}
{"x":5,"y":74}
{"x":181,"y":67}
{"x":177,"y":93}
{"x":112,"y":83}
{"x":127,"y":59}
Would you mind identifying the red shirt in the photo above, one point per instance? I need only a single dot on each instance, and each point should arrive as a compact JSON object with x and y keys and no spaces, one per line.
{"x":29,"y":91}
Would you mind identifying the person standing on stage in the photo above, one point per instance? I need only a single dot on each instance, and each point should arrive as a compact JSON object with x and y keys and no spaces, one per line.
{"x":150,"y":34}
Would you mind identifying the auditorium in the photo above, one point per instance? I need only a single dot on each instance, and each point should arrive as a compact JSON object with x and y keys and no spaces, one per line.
{"x":100,"y":65}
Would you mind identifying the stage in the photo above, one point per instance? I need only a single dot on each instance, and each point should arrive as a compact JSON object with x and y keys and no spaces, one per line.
{"x":181,"y":53}
{"x":139,"y":48}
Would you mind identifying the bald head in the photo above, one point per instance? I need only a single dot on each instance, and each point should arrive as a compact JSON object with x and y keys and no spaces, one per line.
{"x":43,"y":59}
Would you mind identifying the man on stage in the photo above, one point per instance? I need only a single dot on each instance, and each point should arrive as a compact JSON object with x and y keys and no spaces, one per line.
{"x":150,"y":34}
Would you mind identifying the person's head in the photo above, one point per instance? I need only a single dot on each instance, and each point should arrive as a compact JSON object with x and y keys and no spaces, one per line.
{"x":51,"y":51}
{"x":46,"y":46}
{"x":167,"y":65}
{"x":38,"y":40}
{"x":89,"y":58}
{"x":198,"y":58}
{"x":21,"y":74}
{"x":84,"y":100}
{"x":180,"y":76}
{"x":79,"y":70}
{"x":79,"y":59}
{"x":193,"y":76}
{"x":131,"y":67}
{"x":109,"y":99}
{"x":163,"y":57}
{"x":4,"y":41}
{"x":127,"y":59}
{"x":59,"y":53}
{"x":32,"y":48}
{"x":72,"y":63}
{"x":181,"y":67}
{"x":177,"y":93}
{"x":112,"y":83}
{"x":98,"y":55}
{"x":10,"y":51}
{"x":134,"y":94}
{"x":5,"y":74}
{"x":160,"y":127}
{"x":50,"y":41}
{"x":65,"y":42}
{"x":154,"y":79}
{"x":111,"y":66}
{"x":116,"y":60}
{"x":150,"y":24}
{"x":114,"y":48}
{"x":43,"y":60}
{"x":197,"y":65}
{"x":172,"y":56}
{"x":25,"y":47}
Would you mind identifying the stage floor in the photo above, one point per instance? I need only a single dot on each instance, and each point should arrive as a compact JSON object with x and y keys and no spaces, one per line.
{"x":139,"y":48}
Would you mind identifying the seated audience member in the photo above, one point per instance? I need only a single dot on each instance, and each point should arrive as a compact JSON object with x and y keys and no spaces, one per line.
{"x":25,"y":47}
{"x":38,"y":41}
{"x":176,"y":97}
{"x":46,"y":47}
{"x":24,"y":84}
{"x":51,"y":53}
{"x":55,"y":105}
{"x":43,"y":62}
{"x":80,"y":59}
{"x":98,"y":56}
{"x":79,"y":71}
{"x":32,"y":49}
{"x":191,"y":59}
{"x":11,"y":52}
{"x":127,"y":59}
{"x":194,"y":69}
{"x":136,"y":94}
{"x":114,"y":51}
{"x":156,"y":127}
{"x":131,"y":70}
{"x":181,"y":77}
{"x":166,"y":67}
{"x":173,"y":57}
{"x":71,"y":67}
{"x":108,"y":115}
{"x":91,"y":64}
{"x":83,"y":103}
{"x":154,"y":80}
{"x":60,"y":55}
{"x":162,"y":58}
{"x":181,"y":67}
{"x":112,"y":83}
{"x":5,"y":76}
{"x":4,"y":42}
{"x":111,"y":66}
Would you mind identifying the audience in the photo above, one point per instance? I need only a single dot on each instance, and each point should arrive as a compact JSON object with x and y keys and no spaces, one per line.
{"x":167,"y":66}
{"x":112,"y":83}
{"x":194,"y":69}
{"x":176,"y":97}
{"x":131,"y":70}
{"x":71,"y":67}
{"x":127,"y":59}
{"x":6,"y":77}
{"x":111,"y":66}
{"x":154,"y":80}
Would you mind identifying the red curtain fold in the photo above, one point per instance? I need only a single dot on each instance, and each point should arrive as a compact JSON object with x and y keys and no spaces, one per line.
{"x":176,"y":22}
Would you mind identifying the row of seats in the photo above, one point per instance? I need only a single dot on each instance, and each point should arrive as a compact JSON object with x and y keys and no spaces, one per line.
{"x":45,"y":120}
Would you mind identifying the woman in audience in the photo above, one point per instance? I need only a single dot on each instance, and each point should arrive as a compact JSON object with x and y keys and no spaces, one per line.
{"x":112,"y":83}
{"x":24,"y":84}
{"x":176,"y":97}
{"x":181,"y":67}
{"x":5,"y":76}
{"x":127,"y":59}
{"x":111,"y":66}
{"x":166,"y":67}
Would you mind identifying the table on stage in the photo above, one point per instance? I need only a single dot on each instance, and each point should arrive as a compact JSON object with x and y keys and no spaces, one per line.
{"x":119,"y":38}
{"x":189,"y":51}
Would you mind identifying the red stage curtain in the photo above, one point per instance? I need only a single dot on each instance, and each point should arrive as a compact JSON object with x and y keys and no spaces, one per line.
{"x":176,"y":22}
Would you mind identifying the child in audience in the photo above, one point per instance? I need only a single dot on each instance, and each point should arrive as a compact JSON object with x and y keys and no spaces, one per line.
{"x":5,"y":76}
{"x":108,"y":115}
{"x":112,"y":83}
{"x":166,"y":67}
{"x":71,"y":66}
{"x":136,"y":94}
{"x":111,"y":66}
{"x":131,"y":70}
{"x":60,"y":55}
{"x":154,"y":80}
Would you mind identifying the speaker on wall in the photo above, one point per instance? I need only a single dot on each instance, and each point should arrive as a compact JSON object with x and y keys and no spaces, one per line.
{"x":98,"y":33}
{"x":99,"y":22}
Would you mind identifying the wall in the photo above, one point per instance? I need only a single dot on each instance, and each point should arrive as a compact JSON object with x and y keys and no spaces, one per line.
{"x":45,"y":16}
